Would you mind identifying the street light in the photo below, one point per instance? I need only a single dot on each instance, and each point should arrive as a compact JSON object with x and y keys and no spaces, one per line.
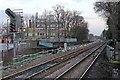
{"x":23,"y":30}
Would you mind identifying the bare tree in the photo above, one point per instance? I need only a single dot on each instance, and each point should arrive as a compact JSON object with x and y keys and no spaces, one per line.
{"x":57,"y":12}
{"x":26,"y":19}
{"x":45,"y":13}
{"x":111,"y":12}
{"x":50,"y":18}
{"x":68,"y":21}
{"x":79,"y":28}
{"x":33,"y":25}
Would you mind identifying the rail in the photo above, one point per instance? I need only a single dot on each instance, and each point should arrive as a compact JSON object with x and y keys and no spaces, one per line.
{"x":30,"y":70}
{"x":67,"y":71}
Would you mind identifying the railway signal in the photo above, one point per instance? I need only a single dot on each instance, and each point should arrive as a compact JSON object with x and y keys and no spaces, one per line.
{"x":10,"y":13}
{"x":13,"y":17}
{"x":12,"y":27}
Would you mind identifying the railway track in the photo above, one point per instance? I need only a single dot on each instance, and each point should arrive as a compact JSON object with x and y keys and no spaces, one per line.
{"x":88,"y":59}
{"x":47,"y":71}
{"x":32,"y":71}
{"x":89,"y":67}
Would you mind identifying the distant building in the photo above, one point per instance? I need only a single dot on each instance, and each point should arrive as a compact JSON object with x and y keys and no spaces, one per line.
{"x":19,"y":19}
{"x":45,"y":28}
{"x":1,"y":32}
{"x":3,"y":39}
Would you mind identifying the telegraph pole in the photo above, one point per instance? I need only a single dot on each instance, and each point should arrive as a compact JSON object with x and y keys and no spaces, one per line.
{"x":7,"y":34}
{"x":14,"y":44}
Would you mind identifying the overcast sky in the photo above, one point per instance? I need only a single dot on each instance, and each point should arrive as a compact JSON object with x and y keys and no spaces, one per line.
{"x":96,"y":23}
